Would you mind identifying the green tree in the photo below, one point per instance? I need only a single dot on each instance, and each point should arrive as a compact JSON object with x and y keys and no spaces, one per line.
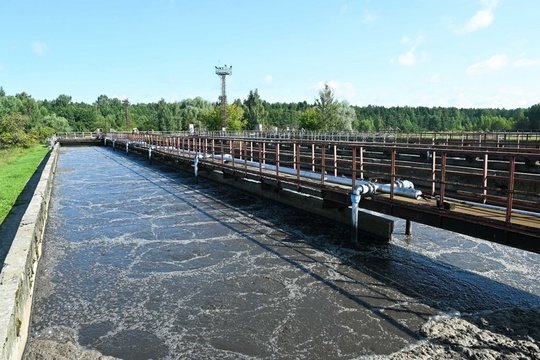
{"x":345,"y":117}
{"x":310,"y":120}
{"x":254,"y":110}
{"x":164,"y":116}
{"x":14,"y":131}
{"x":327,"y":108}
{"x":533,"y":113}
{"x":521,"y":122}
{"x":235,"y":118}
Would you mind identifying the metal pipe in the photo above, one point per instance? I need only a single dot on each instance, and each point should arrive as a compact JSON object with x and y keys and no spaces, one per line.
{"x":494,"y":207}
{"x":355,"y":200}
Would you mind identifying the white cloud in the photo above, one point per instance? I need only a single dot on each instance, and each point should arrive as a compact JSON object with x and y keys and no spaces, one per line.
{"x":409,"y":57}
{"x":434,"y":79}
{"x":481,"y":19}
{"x":39,"y":47}
{"x":268,"y":79}
{"x":525,"y":62}
{"x":494,"y":63}
{"x":342,"y":90}
{"x":368,"y":17}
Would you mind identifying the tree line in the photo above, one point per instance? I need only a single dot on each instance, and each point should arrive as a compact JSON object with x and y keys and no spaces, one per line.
{"x":24,"y":120}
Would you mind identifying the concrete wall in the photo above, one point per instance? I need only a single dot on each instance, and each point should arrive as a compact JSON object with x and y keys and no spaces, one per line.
{"x":18,"y":274}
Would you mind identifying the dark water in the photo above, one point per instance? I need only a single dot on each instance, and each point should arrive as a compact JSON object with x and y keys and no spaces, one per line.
{"x":141,"y":262}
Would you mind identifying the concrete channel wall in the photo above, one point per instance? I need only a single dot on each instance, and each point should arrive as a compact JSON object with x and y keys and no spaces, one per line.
{"x":18,"y":273}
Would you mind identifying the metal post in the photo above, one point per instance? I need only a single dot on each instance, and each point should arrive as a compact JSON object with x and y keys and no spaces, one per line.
{"x":261,"y":144}
{"x":335,"y":160}
{"x":408,"y":227}
{"x":443,"y":179}
{"x":277,"y":159}
{"x":485,"y":178}
{"x":313,"y":157}
{"x":353,"y":182}
{"x":297,"y":163}
{"x":323,"y":160}
{"x":392,"y":173}
{"x":361,"y":162}
{"x":433,"y":172}
{"x":294,"y":156}
{"x":511,"y":179}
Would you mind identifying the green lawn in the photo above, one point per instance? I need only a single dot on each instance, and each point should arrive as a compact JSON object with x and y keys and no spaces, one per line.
{"x":17,"y":166}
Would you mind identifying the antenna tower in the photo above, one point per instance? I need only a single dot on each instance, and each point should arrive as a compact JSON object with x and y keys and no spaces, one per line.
{"x":222,"y":72}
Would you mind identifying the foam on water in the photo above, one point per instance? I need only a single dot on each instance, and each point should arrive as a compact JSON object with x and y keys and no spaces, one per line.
{"x":142,"y":262}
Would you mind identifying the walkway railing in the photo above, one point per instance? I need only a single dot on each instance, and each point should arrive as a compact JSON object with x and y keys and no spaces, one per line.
{"x":469,"y":139}
{"x":508,"y":178}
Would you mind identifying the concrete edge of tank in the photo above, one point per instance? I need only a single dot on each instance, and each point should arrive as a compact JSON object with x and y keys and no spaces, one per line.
{"x":17,"y":277}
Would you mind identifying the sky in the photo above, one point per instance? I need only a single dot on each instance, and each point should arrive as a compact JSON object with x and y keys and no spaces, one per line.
{"x":463,"y":53}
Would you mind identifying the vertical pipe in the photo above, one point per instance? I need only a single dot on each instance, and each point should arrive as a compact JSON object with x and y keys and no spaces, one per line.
{"x":485,"y":178}
{"x":251,"y":150}
{"x":264,"y":152}
{"x":511,"y":179}
{"x":355,"y":199}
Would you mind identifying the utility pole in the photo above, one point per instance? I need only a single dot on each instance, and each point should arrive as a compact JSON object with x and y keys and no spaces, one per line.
{"x":126,"y":113}
{"x":222,"y":72}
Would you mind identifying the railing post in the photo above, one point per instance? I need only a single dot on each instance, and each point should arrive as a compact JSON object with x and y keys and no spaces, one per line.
{"x":261,"y":144}
{"x":335,"y":161}
{"x":353,"y":166}
{"x":392,"y":173}
{"x":485,"y":178}
{"x":433,"y":171}
{"x":443,"y":180}
{"x":294,"y":156}
{"x":511,"y":179}
{"x":277,"y":159}
{"x":361,"y":162}
{"x":323,"y":162}
{"x":313,"y":157}
{"x":297,"y":163}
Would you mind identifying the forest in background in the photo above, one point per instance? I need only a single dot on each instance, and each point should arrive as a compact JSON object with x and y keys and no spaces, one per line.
{"x":25,"y":120}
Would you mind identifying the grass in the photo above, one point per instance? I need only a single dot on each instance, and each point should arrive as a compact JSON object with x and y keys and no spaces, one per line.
{"x":17,"y":165}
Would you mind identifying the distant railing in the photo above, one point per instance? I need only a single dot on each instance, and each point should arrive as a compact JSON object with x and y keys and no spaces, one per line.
{"x":465,"y":139}
{"x":79,"y":135}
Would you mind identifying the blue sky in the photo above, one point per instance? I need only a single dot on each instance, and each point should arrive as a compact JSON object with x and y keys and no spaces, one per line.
{"x":465,"y":53}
